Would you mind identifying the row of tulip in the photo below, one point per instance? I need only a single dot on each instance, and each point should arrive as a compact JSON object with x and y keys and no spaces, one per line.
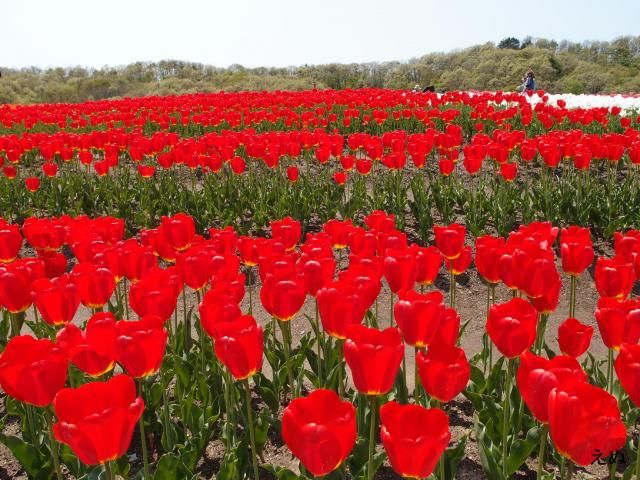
{"x":186,"y":394}
{"x":371,"y":110}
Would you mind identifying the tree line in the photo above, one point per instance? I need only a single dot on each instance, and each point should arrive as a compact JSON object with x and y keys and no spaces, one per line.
{"x":570,"y":67}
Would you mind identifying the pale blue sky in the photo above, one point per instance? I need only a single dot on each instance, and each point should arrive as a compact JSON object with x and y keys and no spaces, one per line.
{"x":287,"y":32}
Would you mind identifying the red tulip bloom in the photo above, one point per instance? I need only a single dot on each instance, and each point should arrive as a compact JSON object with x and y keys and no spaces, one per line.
{"x":399,"y":269}
{"x":146,"y":171}
{"x":216,"y":308}
{"x":340,"y":178}
{"x":460,"y":264}
{"x":618,"y":322}
{"x":576,"y":250}
{"x":548,"y":302}
{"x":488,"y":252}
{"x":317,"y":272}
{"x":239,"y":345}
{"x":10,"y":242}
{"x":32,"y":184}
{"x":249,"y":249}
{"x":287,"y":231}
{"x":136,"y":260}
{"x":179,"y":231}
{"x":50,"y":169}
{"x":508,"y":171}
{"x":340,"y":305}
{"x":94,"y":350}
{"x":339,"y":232}
{"x":10,"y":171}
{"x":614,"y":277}
{"x":419,"y":316}
{"x":427,"y":263}
{"x":444,"y":371}
{"x":283,"y":298}
{"x":140,"y":345}
{"x":537,"y":376}
{"x":293,"y":173}
{"x":95,"y":285}
{"x":450,"y":239}
{"x":374,"y":358}
{"x":414,"y":438}
{"x":156,"y":294}
{"x":97,"y":419}
{"x":192,"y":266}
{"x":57,"y":300}
{"x":574,"y":337}
{"x":380,"y":221}
{"x":582,"y":419}
{"x":32,"y":370}
{"x":15,"y":287}
{"x":320,"y":430}
{"x":55,"y":263}
{"x":627,"y":366}
{"x":512,"y":326}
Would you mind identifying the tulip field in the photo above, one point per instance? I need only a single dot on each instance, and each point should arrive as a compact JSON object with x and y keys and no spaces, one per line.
{"x":356,"y":284}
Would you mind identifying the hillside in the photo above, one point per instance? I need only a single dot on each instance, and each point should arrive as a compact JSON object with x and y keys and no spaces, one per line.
{"x":587,"y":67}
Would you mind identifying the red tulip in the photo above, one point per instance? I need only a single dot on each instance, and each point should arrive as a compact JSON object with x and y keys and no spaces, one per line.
{"x":97,"y":419}
{"x":94,"y":350}
{"x":574,"y":337}
{"x":380,"y":221}
{"x":614,"y":277}
{"x":140,"y":345}
{"x":239,"y":345}
{"x":57,"y":300}
{"x":340,"y":178}
{"x":414,"y":438}
{"x":293,"y":173}
{"x":179,"y":231}
{"x":374,"y":358}
{"x":50,"y":169}
{"x":283,"y":298}
{"x":287,"y":231}
{"x":512,"y":326}
{"x":15,"y":287}
{"x":582,"y":419}
{"x":146,"y":171}
{"x":32,"y":370}
{"x":576,"y":250}
{"x":248,"y":248}
{"x":32,"y":184}
{"x":488,"y":252}
{"x":619,"y":322}
{"x":537,"y":376}
{"x":340,"y":305}
{"x":450,"y":239}
{"x":419,"y":316}
{"x":444,"y":371}
{"x":216,"y":308}
{"x":427,"y":263}
{"x":10,"y":242}
{"x":339,"y":232}
{"x":548,"y":302}
{"x":95,"y":285}
{"x":317,"y":272}
{"x":156,"y":294}
{"x":55,"y":263}
{"x":460,"y":264}
{"x":508,"y":171}
{"x":136,"y":260}
{"x":627,"y":366}
{"x":320,"y":430}
{"x":399,"y":269}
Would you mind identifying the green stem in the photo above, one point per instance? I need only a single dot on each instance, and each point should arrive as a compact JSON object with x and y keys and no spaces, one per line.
{"x":541,"y":451}
{"x":319,"y":345}
{"x":286,"y":341}
{"x":54,"y":444}
{"x":143,"y":437}
{"x":252,"y":435}
{"x":452,"y":289}
{"x":250,"y":275}
{"x":390,"y":309}
{"x":340,"y":344}
{"x":572,"y":297}
{"x":610,"y":370}
{"x":416,"y":377}
{"x":505,"y":418}
{"x":638,"y":460}
{"x":228,"y":408}
{"x":373,"y":402}
{"x":109,"y":471}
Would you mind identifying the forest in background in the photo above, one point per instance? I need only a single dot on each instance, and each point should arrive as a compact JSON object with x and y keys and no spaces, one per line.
{"x":562,"y":67}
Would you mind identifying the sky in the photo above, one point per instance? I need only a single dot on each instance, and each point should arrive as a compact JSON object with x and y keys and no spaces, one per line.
{"x":282,"y":33}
